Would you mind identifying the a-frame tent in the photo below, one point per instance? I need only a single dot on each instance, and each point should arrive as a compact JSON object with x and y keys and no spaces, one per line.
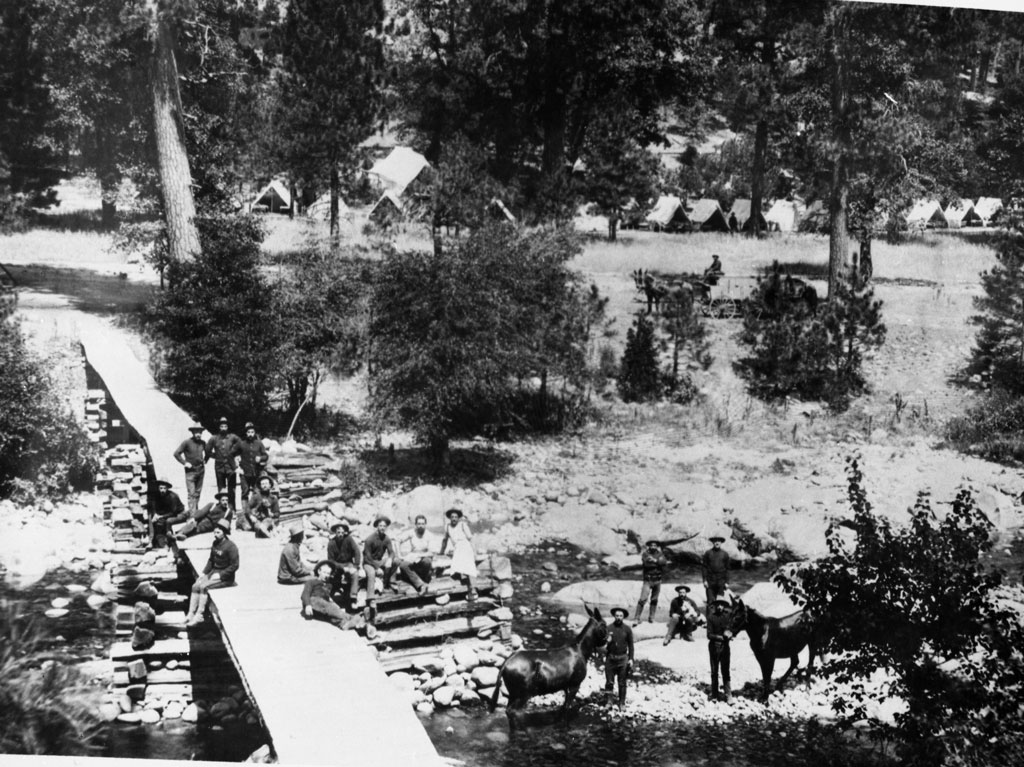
{"x":668,"y":213}
{"x":741,"y":209}
{"x":387,"y":209}
{"x":988,"y":209}
{"x":399,"y":169}
{"x":707,"y":215}
{"x":321,"y":208}
{"x":275,"y":197}
{"x":927,"y":214}
{"x":961,"y":213}
{"x":784,"y":215}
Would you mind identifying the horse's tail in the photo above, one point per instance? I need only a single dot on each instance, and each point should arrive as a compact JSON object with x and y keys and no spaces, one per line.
{"x":493,"y":702}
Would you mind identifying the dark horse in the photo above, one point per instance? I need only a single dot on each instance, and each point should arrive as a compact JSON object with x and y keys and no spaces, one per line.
{"x":788,"y":295}
{"x":527,"y":673}
{"x":657,"y":291}
{"x":772,"y":638}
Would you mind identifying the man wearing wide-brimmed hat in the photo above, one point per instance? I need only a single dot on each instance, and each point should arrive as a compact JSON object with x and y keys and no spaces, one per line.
{"x":380,"y":560}
{"x":316,"y":599}
{"x":291,"y":570}
{"x":252,"y":460}
{"x":192,"y":455}
{"x":719,"y":637}
{"x":262,"y":512}
{"x":219,"y":572}
{"x":683,"y":615}
{"x":226,"y":450}
{"x":715,"y":569}
{"x":344,"y":556}
{"x":618,"y":653}
{"x":166,"y":509}
{"x":653,"y":563}
{"x":206,"y":519}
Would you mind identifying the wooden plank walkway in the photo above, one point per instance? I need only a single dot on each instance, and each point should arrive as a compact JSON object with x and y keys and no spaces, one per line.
{"x":322,"y":695}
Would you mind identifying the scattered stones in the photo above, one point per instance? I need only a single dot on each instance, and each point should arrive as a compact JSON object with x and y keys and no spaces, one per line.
{"x":545,"y":588}
{"x":190,"y":713}
{"x":443,"y":696}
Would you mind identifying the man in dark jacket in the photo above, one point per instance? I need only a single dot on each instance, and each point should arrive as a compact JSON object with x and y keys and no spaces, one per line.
{"x":619,"y":654}
{"x":291,"y":570}
{"x":225,"y":449}
{"x":262,"y":512}
{"x":219,"y":572}
{"x":719,"y":636}
{"x":317,"y":602}
{"x":379,"y":561}
{"x":683,"y":615}
{"x":715,"y":569}
{"x":346,"y":559}
{"x":167,"y":509}
{"x":654,"y":562}
{"x":192,"y":455}
{"x":206,"y":519}
{"x":253,"y":459}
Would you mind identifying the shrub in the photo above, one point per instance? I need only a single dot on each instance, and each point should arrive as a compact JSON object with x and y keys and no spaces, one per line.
{"x":43,"y":450}
{"x":639,"y":377}
{"x":992,"y":428}
{"x":811,"y":355}
{"x":917,"y":602}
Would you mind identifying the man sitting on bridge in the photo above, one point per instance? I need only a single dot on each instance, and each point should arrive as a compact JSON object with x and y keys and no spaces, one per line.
{"x":167,"y":510}
{"x":291,"y":570}
{"x":344,"y":556}
{"x":206,"y":519}
{"x":379,"y":561}
{"x":417,"y":548}
{"x":317,"y":602}
{"x":219,"y":572}
{"x":262,"y":512}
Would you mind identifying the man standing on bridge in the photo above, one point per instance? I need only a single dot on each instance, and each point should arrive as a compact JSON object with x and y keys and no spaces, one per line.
{"x":253,"y":459}
{"x":192,"y":455}
{"x":219,"y":572}
{"x":226,"y":450}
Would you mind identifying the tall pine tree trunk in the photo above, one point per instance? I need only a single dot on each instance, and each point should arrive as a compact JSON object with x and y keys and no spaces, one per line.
{"x":335,"y":196}
{"x":172,"y":159}
{"x":761,"y":139}
{"x":838,"y":245}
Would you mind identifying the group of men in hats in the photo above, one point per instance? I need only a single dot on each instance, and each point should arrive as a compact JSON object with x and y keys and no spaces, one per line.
{"x":683,"y":617}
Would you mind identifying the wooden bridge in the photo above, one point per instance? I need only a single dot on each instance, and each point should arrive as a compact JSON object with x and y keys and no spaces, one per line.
{"x":320,"y":692}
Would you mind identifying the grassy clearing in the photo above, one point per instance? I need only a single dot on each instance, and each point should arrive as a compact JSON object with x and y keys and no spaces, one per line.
{"x":942,"y":258}
{"x":47,"y":246}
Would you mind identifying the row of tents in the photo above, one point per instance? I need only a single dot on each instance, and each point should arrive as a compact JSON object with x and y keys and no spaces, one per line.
{"x":671,"y":213}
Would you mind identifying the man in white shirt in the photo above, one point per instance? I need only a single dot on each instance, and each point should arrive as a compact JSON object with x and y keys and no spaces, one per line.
{"x":416,"y":549}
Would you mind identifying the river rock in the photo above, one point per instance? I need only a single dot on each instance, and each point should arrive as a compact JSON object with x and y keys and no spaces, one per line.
{"x":108,"y":712}
{"x":143,"y":614}
{"x":149,"y":716}
{"x":433,"y":665}
{"x":95,"y":601}
{"x":515,"y":641}
{"x":133,"y":717}
{"x":450,"y":669}
{"x":261,"y":755}
{"x":60,"y":602}
{"x":55,"y":612}
{"x":487,"y":658}
{"x":485,"y":676}
{"x":173,"y":711}
{"x":545,"y":588}
{"x":402,"y":680}
{"x":468,"y":695}
{"x":443,"y":599}
{"x":190,"y":713}
{"x":432,"y":684}
{"x":465,"y":657}
{"x":125,"y":703}
{"x":426,"y":708}
{"x":142,"y":638}
{"x":551,"y":567}
{"x":443,"y":696}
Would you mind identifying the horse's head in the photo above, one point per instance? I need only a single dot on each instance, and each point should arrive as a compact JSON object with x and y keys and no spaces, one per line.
{"x":738,"y":615}
{"x":638,"y":279}
{"x":595,"y":633}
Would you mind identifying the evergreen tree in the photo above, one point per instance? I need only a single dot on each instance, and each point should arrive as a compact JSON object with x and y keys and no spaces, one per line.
{"x":640,"y":377}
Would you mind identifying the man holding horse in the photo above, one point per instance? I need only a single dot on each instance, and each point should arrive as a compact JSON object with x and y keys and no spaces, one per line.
{"x":618,"y":661}
{"x":719,"y":635}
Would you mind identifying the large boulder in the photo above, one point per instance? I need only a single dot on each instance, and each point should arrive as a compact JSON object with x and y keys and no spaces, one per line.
{"x":485,"y":676}
{"x":443,"y":696}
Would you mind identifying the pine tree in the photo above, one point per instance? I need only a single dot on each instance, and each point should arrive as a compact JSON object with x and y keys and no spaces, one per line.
{"x":639,"y":377}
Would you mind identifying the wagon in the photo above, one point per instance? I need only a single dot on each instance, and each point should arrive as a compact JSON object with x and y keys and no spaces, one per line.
{"x":727,"y":298}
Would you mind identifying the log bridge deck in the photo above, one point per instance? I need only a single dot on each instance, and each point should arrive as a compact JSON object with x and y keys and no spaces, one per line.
{"x":320,"y":692}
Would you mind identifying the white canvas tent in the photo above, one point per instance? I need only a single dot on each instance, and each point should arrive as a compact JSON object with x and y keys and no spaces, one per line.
{"x":321,"y":209}
{"x":741,"y":209}
{"x":707,"y":215}
{"x":784,"y":215}
{"x":399,"y":169}
{"x":927,"y":214}
{"x":960,"y":213}
{"x":388,"y":208}
{"x":274,"y":197}
{"x":988,"y":209}
{"x":668,"y":212}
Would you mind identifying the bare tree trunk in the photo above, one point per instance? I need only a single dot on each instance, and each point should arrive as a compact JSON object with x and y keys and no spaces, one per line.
{"x":761,"y":140}
{"x":335,"y":195}
{"x":838,"y":246}
{"x":172,"y":158}
{"x":109,"y":176}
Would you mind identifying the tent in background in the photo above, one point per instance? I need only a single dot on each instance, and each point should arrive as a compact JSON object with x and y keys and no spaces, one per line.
{"x":398,"y":170}
{"x":386,"y":210}
{"x":668,"y":214}
{"x":815,"y":218}
{"x":927,"y":214}
{"x":274,"y":197}
{"x":321,"y":208}
{"x":741,"y":209}
{"x":707,"y":215}
{"x":960,"y":213}
{"x":784,"y":215}
{"x":988,"y":209}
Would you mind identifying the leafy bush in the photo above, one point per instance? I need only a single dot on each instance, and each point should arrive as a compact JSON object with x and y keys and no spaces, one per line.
{"x":475,"y":336}
{"x":639,"y":375}
{"x":45,"y":707}
{"x":918,"y":603}
{"x":43,"y":450}
{"x":811,"y":355}
{"x":992,"y":429}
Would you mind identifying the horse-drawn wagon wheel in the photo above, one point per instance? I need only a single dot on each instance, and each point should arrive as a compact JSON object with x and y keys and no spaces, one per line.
{"x":724,"y":308}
